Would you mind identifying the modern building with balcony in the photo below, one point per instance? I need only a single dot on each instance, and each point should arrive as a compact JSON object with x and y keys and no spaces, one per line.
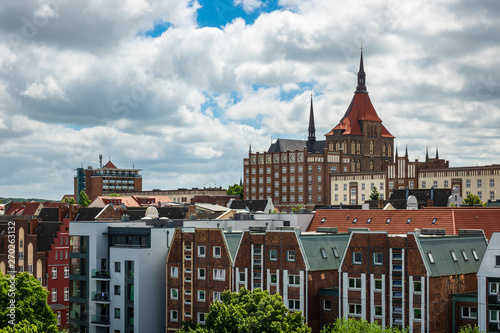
{"x":117,"y":279}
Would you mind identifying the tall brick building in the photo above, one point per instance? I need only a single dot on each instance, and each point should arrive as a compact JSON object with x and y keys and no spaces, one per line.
{"x":296,"y":172}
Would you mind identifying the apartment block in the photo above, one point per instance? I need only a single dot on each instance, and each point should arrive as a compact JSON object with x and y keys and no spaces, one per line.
{"x":488,"y":288}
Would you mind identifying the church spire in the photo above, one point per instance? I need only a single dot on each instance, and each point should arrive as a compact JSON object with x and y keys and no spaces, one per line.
{"x":361,"y":76}
{"x":437,"y":154}
{"x":406,"y":151}
{"x":426,"y":154}
{"x":312,"y":129}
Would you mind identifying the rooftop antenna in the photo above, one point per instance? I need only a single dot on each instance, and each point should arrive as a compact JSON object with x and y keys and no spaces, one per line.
{"x":100,"y":161}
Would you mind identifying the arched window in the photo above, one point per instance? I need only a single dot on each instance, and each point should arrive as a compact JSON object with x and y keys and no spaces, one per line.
{"x":337,"y":146}
{"x":389,"y":150}
{"x":344,"y":147}
{"x":353,"y":147}
{"x":383,"y":149}
{"x":358,"y":148}
{"x":39,"y":270}
{"x":371,"y":165}
{"x":371,"y":147}
{"x":358,"y":166}
{"x":352,"y":165}
{"x":30,"y":258}
{"x":330,"y":146}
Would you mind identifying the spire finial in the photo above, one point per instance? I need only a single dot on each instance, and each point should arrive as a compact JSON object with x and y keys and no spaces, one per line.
{"x":312,"y":128}
{"x":361,"y":75}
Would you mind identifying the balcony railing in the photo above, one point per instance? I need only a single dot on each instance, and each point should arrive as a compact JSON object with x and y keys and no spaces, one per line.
{"x":100,"y":274}
{"x":99,"y":319}
{"x":78,"y":315}
{"x":102,"y":296}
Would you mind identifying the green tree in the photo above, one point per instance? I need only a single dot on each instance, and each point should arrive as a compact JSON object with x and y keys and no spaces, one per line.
{"x":374,"y":195}
{"x":250,"y":311}
{"x":472,"y":199}
{"x":69,"y":200}
{"x":469,"y":329}
{"x":83,"y":199}
{"x":114,"y":195}
{"x":235,"y":190}
{"x":32,"y":313}
{"x":351,"y":325}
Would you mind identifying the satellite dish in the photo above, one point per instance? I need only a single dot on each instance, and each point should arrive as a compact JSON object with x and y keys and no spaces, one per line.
{"x":152,"y":212}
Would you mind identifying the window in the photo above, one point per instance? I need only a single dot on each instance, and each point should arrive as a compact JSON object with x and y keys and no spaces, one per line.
{"x":201,"y":251}
{"x":397,"y":309}
{"x":435,"y":184}
{"x":417,"y":314}
{"x":201,"y":318}
{"x":381,"y":186}
{"x":117,"y":266}
{"x":294,"y":280}
{"x":174,"y":293}
{"x":274,"y":278}
{"x":354,"y":283}
{"x":431,"y":258}
{"x":378,"y":258}
{"x":378,"y":284}
{"x":201,"y":295}
{"x":293,"y":304}
{"x":468,"y":312}
{"x":354,"y":309}
{"x":417,"y":286}
{"x":174,"y":315}
{"x":217,"y":251}
{"x":217,"y":296}
{"x":408,"y":221}
{"x":467,"y":183}
{"x":391,"y":185}
{"x":494,"y":316}
{"x":445,"y":184}
{"x":423,"y":184}
{"x":335,"y":252}
{"x":345,"y":187}
{"x":378,"y":311}
{"x":492,"y":195}
{"x":257,"y":276}
{"x":465,"y":255}
{"x":117,"y":290}
{"x":174,"y":272}
{"x":66,"y":293}
{"x":290,"y":255}
{"x":323,"y":253}
{"x":54,"y":273}
{"x":363,"y":186}
{"x":117,"y":312}
{"x":54,"y":295}
{"x":201,"y":273}
{"x":411,"y":184}
{"x":357,"y":258}
{"x":66,"y":272}
{"x":219,"y":274}
{"x":327,"y":305}
{"x":474,"y":254}
{"x":497,"y":260}
{"x":492,"y":183}
{"x":480,"y":194}
{"x":453,"y":256}
{"x":479,"y":183}
{"x":494,"y":288}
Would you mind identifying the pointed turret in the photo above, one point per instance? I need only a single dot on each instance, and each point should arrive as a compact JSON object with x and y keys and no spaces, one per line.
{"x":437,"y":154}
{"x":426,"y":154}
{"x":361,"y":88}
{"x":406,"y":152}
{"x":250,"y":148}
{"x":312,"y":129}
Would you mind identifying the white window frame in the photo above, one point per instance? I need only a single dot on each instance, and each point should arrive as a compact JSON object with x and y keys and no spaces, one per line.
{"x":469,"y":312}
{"x":54,"y":273}
{"x":356,"y":282}
{"x":204,"y":293}
{"x":174,"y":272}
{"x":53,"y":295}
{"x":356,"y":308}
{"x":325,"y":308}
{"x":219,"y":274}
{"x":201,"y":249}
{"x":66,"y":293}
{"x":375,"y":262}
{"x":293,"y":305}
{"x":215,"y":250}
{"x":199,"y":317}
{"x":290,"y":255}
{"x":357,"y":262}
{"x":172,"y":291}
{"x":217,"y":296}
{"x":294,"y":280}
{"x":172,"y":317}
{"x":66,"y":272}
{"x":204,"y":274}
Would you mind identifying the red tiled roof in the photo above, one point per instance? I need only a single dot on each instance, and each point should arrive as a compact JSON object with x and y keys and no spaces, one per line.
{"x":23,"y":208}
{"x":361,"y":108}
{"x":110,"y":165}
{"x":451,"y":219}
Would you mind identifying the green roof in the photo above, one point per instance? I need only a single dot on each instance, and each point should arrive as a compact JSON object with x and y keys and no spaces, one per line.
{"x":441,"y":247}
{"x":312,"y":245}
{"x":232,"y":242}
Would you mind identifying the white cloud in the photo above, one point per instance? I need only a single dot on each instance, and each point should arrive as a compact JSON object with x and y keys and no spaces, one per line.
{"x":50,"y":88}
{"x":248,"y":5}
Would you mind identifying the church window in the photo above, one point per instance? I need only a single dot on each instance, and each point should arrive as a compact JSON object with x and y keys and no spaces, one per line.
{"x":352,"y":165}
{"x":337,"y":146}
{"x":383,"y":149}
{"x":371,"y":147}
{"x":330,"y":146}
{"x":358,"y":166}
{"x":389,"y":150}
{"x":353,"y":147}
{"x":371,"y":165}
{"x":358,"y":148}
{"x":344,"y":147}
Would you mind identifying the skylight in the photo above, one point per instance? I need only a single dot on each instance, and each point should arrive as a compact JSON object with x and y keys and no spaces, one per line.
{"x":369,"y":220}
{"x":388,"y":221}
{"x":465,"y":255}
{"x":409,"y":220}
{"x":335,"y":252}
{"x":323,"y":220}
{"x":431,"y":258}
{"x":434,"y":220}
{"x":323,"y":253}
{"x":474,"y":253}
{"x":355,"y":220}
{"x":453,"y":255}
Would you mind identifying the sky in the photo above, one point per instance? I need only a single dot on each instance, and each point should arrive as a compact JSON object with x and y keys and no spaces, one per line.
{"x":180,"y":88}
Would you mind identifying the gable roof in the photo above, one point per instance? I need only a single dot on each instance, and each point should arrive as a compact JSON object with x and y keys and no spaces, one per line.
{"x":49,"y":214}
{"x":87,"y":213}
{"x":232,"y":242}
{"x":110,"y":165}
{"x":311,"y":245}
{"x":283,"y":145}
{"x":450,"y":219}
{"x":23,"y":208}
{"x":441,"y":248}
{"x":46,"y":232}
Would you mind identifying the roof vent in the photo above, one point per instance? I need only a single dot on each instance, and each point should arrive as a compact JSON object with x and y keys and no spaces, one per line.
{"x":327,"y":230}
{"x":436,"y":232}
{"x":470,"y":232}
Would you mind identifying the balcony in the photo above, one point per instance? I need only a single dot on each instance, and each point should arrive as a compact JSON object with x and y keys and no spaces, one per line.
{"x":101,"y":297}
{"x":78,"y":315}
{"x":100,"y":274}
{"x":100,"y":320}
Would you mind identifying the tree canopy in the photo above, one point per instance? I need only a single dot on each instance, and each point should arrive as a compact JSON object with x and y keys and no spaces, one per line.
{"x":32,"y":313}
{"x":472,"y":199}
{"x":83,"y":199}
{"x":69,"y":200}
{"x":351,"y":325}
{"x":374,"y":195}
{"x":235,"y":190}
{"x":249,"y":311}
